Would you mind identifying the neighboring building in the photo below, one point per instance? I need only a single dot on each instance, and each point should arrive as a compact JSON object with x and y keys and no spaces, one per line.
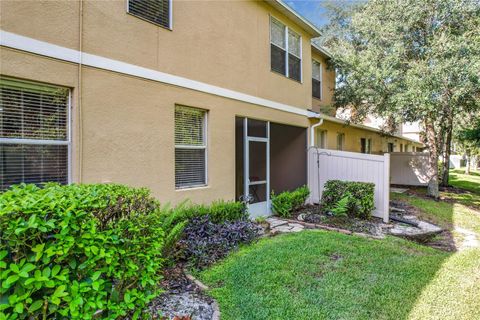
{"x":161,"y":94}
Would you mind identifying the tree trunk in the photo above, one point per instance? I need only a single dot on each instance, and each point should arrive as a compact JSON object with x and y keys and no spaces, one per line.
{"x":446,"y":155}
{"x":469,"y":161}
{"x":432,"y":173}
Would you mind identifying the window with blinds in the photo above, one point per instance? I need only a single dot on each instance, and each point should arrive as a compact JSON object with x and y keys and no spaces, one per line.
{"x":316,"y":79}
{"x":285,"y":50}
{"x":190,"y":147}
{"x":34,"y":133}
{"x":340,"y":141}
{"x":156,"y":11}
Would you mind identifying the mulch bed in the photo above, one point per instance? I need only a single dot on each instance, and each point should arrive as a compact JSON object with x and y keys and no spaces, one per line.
{"x":182,"y":300}
{"x":314,"y":214}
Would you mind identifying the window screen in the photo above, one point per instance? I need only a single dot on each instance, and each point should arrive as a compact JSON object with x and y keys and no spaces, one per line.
{"x":156,"y":11}
{"x":285,"y":50}
{"x":190,"y":147}
{"x":316,"y":79}
{"x":34,"y":139}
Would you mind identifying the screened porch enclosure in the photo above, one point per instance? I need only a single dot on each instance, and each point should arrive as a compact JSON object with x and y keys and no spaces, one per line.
{"x":273,"y":158}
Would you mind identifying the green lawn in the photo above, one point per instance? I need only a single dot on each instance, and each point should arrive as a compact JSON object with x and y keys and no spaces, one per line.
{"x":327,"y":275}
{"x":470,"y":182}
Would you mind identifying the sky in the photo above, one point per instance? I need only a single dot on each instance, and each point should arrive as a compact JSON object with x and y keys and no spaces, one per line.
{"x":312,"y":10}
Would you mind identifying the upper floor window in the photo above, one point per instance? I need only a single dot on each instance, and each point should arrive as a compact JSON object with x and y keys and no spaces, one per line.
{"x":316,"y":79}
{"x":190,"y":147}
{"x":285,"y":50}
{"x":34,"y":133}
{"x":156,"y":11}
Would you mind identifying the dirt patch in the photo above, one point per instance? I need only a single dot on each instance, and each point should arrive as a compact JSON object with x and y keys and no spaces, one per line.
{"x":183,"y":299}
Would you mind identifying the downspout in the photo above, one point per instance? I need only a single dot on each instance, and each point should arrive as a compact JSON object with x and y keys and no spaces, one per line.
{"x":312,"y":145}
{"x":312,"y":132}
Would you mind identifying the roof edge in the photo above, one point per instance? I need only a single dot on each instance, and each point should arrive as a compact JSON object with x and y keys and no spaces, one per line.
{"x":295,"y":16}
{"x":322,"y":50}
{"x":319,"y":115}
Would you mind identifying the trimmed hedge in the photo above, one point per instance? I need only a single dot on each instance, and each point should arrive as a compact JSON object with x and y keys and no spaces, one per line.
{"x":360,"y":202}
{"x":286,"y":202}
{"x":219,"y":211}
{"x":78,"y":251}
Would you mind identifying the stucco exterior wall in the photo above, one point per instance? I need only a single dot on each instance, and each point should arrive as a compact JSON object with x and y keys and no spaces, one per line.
{"x":353,"y":136}
{"x":328,"y":86}
{"x":224,"y":43}
{"x":123,"y":127}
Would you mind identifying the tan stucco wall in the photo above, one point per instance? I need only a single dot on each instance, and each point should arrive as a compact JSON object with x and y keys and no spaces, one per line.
{"x":127,"y":127}
{"x":353,"y":136}
{"x":224,"y":43}
{"x":328,"y":86}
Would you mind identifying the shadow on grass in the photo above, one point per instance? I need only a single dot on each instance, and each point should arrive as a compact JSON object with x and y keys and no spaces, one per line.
{"x":326,"y":275}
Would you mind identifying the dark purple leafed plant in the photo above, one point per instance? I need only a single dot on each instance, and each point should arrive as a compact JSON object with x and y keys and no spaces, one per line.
{"x":205,"y":242}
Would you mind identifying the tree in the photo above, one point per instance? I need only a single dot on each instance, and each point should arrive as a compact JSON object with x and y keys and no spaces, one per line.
{"x":409,"y":60}
{"x":469,"y":142}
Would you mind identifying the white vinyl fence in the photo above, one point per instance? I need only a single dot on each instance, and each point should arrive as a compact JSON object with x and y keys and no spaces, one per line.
{"x":324,"y":165}
{"x":409,"y":168}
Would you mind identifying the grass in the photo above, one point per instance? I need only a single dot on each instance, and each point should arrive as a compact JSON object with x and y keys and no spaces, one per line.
{"x":470,"y":182}
{"x":326,"y":275}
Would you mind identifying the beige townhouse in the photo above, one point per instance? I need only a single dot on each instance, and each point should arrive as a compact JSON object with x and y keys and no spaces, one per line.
{"x":192,"y":99}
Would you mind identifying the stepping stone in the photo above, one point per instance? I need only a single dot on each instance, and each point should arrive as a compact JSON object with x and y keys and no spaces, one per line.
{"x":395,"y":209}
{"x":276,"y":222}
{"x":422,"y":233}
{"x":398,"y":190}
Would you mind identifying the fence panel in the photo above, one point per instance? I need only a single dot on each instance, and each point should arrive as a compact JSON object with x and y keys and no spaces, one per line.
{"x":324,"y":165}
{"x":409,"y":168}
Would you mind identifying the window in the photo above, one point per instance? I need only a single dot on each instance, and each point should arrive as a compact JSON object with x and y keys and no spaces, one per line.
{"x":155,"y":11}
{"x":34,"y":133}
{"x":285,"y":50}
{"x":340,"y":141}
{"x":317,"y":79}
{"x":366,"y":145}
{"x":390,"y":147}
{"x":322,"y":139}
{"x":190,"y":147}
{"x":401,"y":147}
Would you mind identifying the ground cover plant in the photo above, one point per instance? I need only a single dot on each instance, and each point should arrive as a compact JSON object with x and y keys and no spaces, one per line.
{"x":205,"y":241}
{"x":77,"y":251}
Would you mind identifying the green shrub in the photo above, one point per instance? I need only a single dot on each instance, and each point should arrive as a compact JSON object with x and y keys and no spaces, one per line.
{"x":78,"y":251}
{"x":219,"y":211}
{"x":284,"y":203}
{"x":361,"y":200}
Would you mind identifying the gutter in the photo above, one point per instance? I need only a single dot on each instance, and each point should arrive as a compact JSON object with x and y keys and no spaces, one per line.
{"x":317,"y":115}
{"x":312,"y":132}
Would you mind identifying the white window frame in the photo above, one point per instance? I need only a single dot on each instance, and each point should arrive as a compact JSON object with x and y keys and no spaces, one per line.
{"x":203,"y":147}
{"x":170,"y":15}
{"x":287,"y":29}
{"x":321,"y":78}
{"x":67,"y":142}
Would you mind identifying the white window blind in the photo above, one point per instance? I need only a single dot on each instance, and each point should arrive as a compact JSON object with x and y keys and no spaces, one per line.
{"x":190,"y":147}
{"x":316,"y":79}
{"x":156,"y":11}
{"x":285,"y":50}
{"x":34,"y":133}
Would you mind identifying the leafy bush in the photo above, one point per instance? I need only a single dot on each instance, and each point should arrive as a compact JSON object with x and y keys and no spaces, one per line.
{"x":78,"y":251}
{"x":205,"y":241}
{"x":361,"y":202}
{"x":219,"y":211}
{"x":284,"y":203}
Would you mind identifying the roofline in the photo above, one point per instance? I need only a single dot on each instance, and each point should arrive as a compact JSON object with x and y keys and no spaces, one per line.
{"x":321,"y":50}
{"x":317,"y":115}
{"x":293,"y":15}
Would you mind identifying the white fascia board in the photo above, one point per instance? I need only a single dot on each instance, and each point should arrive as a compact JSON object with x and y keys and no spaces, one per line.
{"x":43,"y":48}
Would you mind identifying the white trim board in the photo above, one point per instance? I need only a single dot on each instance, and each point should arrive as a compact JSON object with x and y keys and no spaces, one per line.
{"x":43,"y":48}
